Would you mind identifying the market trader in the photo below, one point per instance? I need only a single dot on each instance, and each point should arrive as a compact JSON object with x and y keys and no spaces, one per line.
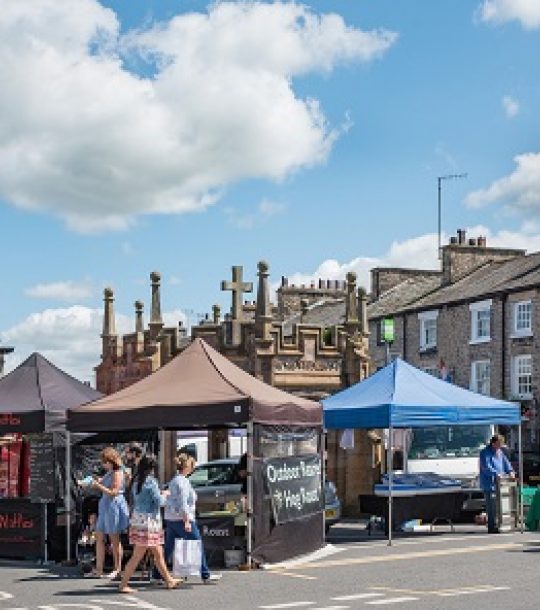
{"x":493,"y":464}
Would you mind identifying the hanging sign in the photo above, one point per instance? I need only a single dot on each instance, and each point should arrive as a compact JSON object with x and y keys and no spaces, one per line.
{"x":388,"y":330}
{"x":295,"y":486}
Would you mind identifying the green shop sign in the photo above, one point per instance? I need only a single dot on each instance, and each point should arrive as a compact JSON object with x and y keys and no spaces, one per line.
{"x":388,"y":330}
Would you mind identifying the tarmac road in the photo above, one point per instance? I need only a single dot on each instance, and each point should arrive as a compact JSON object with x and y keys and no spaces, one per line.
{"x":459,"y":570}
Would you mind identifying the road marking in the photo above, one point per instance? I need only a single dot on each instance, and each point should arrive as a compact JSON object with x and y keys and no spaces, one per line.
{"x":344,"y":598}
{"x":5,"y":595}
{"x":288,"y":605}
{"x":331,"y":608}
{"x":283,"y":573}
{"x":383,"y":542}
{"x":446,"y":592}
{"x":128,"y":601}
{"x":472,"y":591}
{"x":405,"y":556}
{"x":392,"y":600}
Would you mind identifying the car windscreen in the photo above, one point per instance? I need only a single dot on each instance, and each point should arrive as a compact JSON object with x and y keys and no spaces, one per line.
{"x":213,"y":474}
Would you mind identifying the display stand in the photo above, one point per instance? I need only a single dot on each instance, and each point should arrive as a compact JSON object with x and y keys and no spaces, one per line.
{"x":507,"y":504}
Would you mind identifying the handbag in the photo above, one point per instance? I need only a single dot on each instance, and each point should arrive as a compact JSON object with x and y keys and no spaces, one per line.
{"x":187,"y":558}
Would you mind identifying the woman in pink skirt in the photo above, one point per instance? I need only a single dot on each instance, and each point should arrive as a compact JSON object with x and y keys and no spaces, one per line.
{"x":146,"y":528}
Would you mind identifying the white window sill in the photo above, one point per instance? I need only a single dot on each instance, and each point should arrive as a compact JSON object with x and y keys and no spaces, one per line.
{"x":480,"y":340}
{"x":427,"y":348}
{"x":525,"y":335}
{"x":523,"y":397}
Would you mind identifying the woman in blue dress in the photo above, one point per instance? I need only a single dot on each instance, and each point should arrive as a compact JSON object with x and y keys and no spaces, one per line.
{"x":113,"y":512}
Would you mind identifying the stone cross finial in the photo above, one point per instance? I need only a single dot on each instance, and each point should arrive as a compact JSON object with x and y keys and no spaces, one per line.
{"x":139,"y":323}
{"x":237,"y":287}
{"x":216,"y":313}
{"x":351,"y":306}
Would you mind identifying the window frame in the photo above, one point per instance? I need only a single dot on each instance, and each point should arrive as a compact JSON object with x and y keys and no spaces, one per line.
{"x":515,"y":377}
{"x":474,"y":380}
{"x":475,"y":309}
{"x":526,"y":332}
{"x":423,"y":317}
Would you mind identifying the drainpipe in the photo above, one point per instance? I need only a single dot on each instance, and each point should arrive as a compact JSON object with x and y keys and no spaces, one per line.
{"x":503,"y":350}
{"x":404,"y":337}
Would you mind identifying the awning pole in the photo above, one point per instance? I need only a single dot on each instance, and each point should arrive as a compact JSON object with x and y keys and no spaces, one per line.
{"x":323,"y":478}
{"x":390,"y":469}
{"x":67,"y":502}
{"x":249,"y":542}
{"x":520,"y":466}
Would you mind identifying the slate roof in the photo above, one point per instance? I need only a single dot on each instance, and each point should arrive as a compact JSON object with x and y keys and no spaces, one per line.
{"x":403,"y":294}
{"x":326,"y":312}
{"x":490,"y":279}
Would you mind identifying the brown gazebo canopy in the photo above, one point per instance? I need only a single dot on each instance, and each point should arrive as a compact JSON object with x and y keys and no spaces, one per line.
{"x":198,"y":388}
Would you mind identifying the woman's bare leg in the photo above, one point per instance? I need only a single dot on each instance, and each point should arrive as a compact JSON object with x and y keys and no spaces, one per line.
{"x":117,"y":552}
{"x":138,"y":554}
{"x":160,"y":564}
{"x":100,"y":552}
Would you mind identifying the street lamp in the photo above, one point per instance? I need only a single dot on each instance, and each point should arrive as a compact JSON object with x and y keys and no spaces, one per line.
{"x":439,"y":180}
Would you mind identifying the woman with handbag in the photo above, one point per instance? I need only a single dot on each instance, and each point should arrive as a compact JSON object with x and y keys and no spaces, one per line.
{"x":113,"y":512}
{"x":180,"y":514}
{"x":146,"y":528}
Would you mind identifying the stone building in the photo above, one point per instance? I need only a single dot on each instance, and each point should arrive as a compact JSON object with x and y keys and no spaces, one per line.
{"x":476,"y":321}
{"x":282,"y":344}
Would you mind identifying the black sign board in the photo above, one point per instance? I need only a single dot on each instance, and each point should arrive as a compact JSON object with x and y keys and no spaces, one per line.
{"x":295,"y":486}
{"x":20,"y":529}
{"x":21,"y":422}
{"x":42,"y":488}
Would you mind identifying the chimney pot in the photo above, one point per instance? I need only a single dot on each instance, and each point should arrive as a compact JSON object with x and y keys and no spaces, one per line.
{"x":472,"y":241}
{"x":321,"y":283}
{"x":462,"y":236}
{"x":453,"y":241}
{"x":482,"y":241}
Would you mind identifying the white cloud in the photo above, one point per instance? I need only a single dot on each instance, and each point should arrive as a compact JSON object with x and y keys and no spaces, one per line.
{"x":415,"y":253}
{"x":519,"y":191}
{"x":84,"y":137}
{"x":68,"y":291}
{"x":510,"y":106}
{"x":264,"y":211}
{"x":527,"y":12}
{"x":68,"y":337}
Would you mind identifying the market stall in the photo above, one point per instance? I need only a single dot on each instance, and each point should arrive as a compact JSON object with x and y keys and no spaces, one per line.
{"x":33,"y":402}
{"x":402,"y":396}
{"x":201,"y":389}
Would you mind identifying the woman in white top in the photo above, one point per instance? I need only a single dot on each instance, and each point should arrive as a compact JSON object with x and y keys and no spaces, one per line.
{"x":180,"y":513}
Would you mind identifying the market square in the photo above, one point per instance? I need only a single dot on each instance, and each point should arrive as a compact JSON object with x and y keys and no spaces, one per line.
{"x":270,"y":308}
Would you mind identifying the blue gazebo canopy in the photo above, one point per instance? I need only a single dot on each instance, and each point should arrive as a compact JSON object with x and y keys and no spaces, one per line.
{"x":402,"y":396}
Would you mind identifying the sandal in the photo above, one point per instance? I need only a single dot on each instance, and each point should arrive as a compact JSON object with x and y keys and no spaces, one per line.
{"x":126,"y":589}
{"x":173,"y":584}
{"x":94,"y":574}
{"x":112,"y":575}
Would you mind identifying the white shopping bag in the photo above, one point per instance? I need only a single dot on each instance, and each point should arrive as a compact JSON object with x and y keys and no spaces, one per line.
{"x":187,"y":558}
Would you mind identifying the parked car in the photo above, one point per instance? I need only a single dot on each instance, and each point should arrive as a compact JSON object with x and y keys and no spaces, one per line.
{"x":217,"y":483}
{"x":531,"y":467}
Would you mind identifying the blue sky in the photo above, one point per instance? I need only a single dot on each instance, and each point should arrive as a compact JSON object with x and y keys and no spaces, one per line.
{"x":186,"y":137}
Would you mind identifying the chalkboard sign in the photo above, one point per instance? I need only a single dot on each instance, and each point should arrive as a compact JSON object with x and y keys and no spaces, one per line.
{"x":42,"y":468}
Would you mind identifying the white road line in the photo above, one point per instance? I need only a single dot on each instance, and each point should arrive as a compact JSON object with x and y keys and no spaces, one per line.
{"x":392,"y":600}
{"x":384,"y":542}
{"x":331,"y":608}
{"x":288,"y":605}
{"x":486,"y":589}
{"x":344,"y":598}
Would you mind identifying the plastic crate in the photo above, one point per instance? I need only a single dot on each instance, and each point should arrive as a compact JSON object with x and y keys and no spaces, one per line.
{"x":527,"y":495}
